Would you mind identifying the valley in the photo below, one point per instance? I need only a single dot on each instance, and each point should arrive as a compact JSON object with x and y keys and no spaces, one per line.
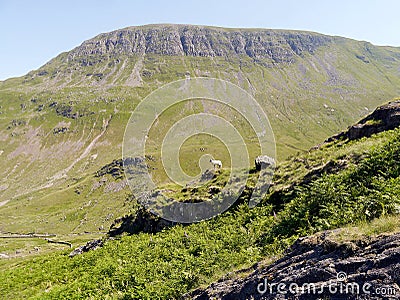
{"x":61,"y":173}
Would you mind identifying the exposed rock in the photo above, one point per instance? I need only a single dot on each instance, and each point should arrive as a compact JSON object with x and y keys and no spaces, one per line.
{"x":16,"y":123}
{"x":58,"y":130}
{"x":67,"y":111}
{"x":213,"y":190}
{"x":53,"y":104}
{"x":115,"y":169}
{"x":142,"y":221}
{"x":207,"y":175}
{"x":42,"y":73}
{"x":363,"y":58}
{"x":91,"y":245}
{"x":384,"y":118}
{"x":264,"y":161}
{"x":372,"y":265}
{"x":179,"y":40}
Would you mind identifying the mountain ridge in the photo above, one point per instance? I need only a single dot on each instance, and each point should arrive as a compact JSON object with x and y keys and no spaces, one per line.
{"x":181,"y":28}
{"x":268,"y":47}
{"x":258,"y":50}
{"x":181,"y":35}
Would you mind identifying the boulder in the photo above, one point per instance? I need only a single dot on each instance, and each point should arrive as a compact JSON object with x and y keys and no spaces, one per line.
{"x":264,"y":161}
{"x":91,"y":245}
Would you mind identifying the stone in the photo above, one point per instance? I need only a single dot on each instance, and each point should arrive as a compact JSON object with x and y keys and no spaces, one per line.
{"x":264,"y":161}
{"x":372,"y":263}
{"x":91,"y":245}
{"x":385,"y":117}
{"x":200,"y":41}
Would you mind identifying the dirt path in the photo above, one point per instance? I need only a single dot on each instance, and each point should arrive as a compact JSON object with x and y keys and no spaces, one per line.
{"x":63,"y":173}
{"x":3,"y":202}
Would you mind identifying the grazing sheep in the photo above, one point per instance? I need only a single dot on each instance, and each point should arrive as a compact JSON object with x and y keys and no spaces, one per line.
{"x":216,"y":163}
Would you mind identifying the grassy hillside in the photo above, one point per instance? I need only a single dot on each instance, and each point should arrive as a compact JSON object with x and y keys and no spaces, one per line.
{"x":62,"y":123}
{"x":362,"y":186}
{"x":61,"y":133}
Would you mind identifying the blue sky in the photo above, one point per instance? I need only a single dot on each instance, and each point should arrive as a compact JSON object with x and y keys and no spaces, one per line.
{"x":32,"y":32}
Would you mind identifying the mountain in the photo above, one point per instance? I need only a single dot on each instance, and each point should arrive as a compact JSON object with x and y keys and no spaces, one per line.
{"x":62,"y":126}
{"x":64,"y":122}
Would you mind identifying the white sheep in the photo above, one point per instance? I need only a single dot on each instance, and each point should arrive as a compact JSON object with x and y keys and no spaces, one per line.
{"x":216,"y":163}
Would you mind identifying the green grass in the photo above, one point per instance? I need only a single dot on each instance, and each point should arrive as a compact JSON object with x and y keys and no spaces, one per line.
{"x":387,"y":225}
{"x":170,"y":263}
{"x":307,"y":101}
{"x":297,"y":114}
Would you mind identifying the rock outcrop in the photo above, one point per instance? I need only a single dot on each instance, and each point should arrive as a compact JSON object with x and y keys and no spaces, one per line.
{"x":141,"y":221}
{"x":385,"y":117}
{"x":91,"y":245}
{"x":264,"y":161}
{"x":319,"y":267}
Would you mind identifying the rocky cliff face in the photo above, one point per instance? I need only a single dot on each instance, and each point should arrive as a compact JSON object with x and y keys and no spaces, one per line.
{"x":185,"y":40}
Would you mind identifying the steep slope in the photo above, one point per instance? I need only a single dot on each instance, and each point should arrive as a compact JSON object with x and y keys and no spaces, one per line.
{"x":64,"y":122}
{"x":352,"y":183}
